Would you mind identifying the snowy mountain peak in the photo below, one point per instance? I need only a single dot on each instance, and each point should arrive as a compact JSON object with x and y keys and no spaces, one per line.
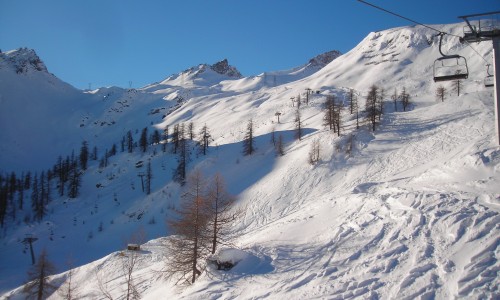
{"x":22,"y":60}
{"x":224,"y":68}
{"x":202,"y":75}
{"x":324,"y":59}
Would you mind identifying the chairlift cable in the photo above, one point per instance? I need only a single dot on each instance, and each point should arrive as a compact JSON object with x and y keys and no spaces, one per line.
{"x":476,"y":52}
{"x":398,"y":15}
{"x":405,"y":18}
{"x":418,"y":23}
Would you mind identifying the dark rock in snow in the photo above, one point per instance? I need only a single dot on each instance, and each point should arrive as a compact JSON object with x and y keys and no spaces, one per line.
{"x":223,"y":68}
{"x":325,"y":58}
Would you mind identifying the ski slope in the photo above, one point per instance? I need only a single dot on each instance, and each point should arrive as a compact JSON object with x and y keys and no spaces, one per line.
{"x":412,"y":212}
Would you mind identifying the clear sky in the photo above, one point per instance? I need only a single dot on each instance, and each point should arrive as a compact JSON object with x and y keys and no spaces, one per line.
{"x":113,"y":42}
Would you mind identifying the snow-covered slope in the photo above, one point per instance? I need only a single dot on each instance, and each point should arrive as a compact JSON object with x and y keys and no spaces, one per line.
{"x":411,"y":212}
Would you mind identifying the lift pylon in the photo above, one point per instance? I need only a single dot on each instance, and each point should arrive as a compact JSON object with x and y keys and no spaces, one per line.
{"x":487,"y":30}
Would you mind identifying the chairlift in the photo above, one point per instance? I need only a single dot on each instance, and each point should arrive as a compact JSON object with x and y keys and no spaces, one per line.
{"x":489,"y":80}
{"x":449,"y":67}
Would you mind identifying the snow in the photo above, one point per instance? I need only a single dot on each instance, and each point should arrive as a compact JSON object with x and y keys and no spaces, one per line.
{"x":412,"y":212}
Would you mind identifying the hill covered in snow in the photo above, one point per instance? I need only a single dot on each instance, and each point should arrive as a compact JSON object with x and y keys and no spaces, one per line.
{"x":410,"y":210}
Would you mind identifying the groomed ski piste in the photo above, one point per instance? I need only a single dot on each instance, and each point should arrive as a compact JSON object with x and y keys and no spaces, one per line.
{"x":412,"y":212}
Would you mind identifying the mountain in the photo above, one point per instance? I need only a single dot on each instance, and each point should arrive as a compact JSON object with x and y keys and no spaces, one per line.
{"x":201,"y":77}
{"x":54,"y":118}
{"x":33,"y":106}
{"x":408,"y":211}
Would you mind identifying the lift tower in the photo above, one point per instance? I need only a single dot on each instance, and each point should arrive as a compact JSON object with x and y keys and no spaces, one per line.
{"x":489,"y":30}
{"x":29,"y":240}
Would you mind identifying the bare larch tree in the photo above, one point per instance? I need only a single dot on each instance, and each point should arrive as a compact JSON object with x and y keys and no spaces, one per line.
{"x":39,"y":286}
{"x":405,"y":99}
{"x":441,"y":93}
{"x":371,"y":106}
{"x":221,"y":215}
{"x":191,"y":239}
{"x":314,"y":152}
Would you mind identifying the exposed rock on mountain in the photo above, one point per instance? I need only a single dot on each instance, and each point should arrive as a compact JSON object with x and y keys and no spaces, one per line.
{"x":223,"y":68}
{"x":22,"y":60}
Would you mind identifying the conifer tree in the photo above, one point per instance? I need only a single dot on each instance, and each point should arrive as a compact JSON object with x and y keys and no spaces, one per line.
{"x":180,"y":171}
{"x":35,"y":200}
{"x":84,"y":155}
{"x":44,"y":189}
{"x":12,"y":185}
{"x":175,"y":138}
{"x":130,"y":142}
{"x":204,"y":141}
{"x":143,"y":141}
{"x":112,"y":152}
{"x":60,"y":171}
{"x":74,"y":183}
{"x":279,"y":146}
{"x":248,"y":141}
{"x":298,"y":125}
{"x":149,"y":177}
{"x":371,"y":105}
{"x":94,"y":153}
{"x":395,"y":98}
{"x":4,"y":195}
{"x":353,"y":100}
{"x":155,"y":138}
{"x":27,"y":181}
{"x":190,"y":131}
{"x":122,"y":144}
{"x":405,"y":99}
{"x":20,"y":193}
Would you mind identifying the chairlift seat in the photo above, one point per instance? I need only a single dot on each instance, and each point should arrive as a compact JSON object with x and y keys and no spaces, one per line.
{"x":489,"y":81}
{"x":450,"y":67}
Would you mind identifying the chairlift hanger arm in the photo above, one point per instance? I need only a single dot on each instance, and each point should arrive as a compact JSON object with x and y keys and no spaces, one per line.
{"x":440,"y":42}
{"x":488,"y":70}
{"x":441,"y":34}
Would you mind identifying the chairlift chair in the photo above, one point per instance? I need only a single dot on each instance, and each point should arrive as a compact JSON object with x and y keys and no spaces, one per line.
{"x":489,"y":80}
{"x":449,"y":67}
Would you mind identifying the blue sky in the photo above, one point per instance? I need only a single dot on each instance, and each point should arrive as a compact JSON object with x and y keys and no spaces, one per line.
{"x":113,"y":42}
